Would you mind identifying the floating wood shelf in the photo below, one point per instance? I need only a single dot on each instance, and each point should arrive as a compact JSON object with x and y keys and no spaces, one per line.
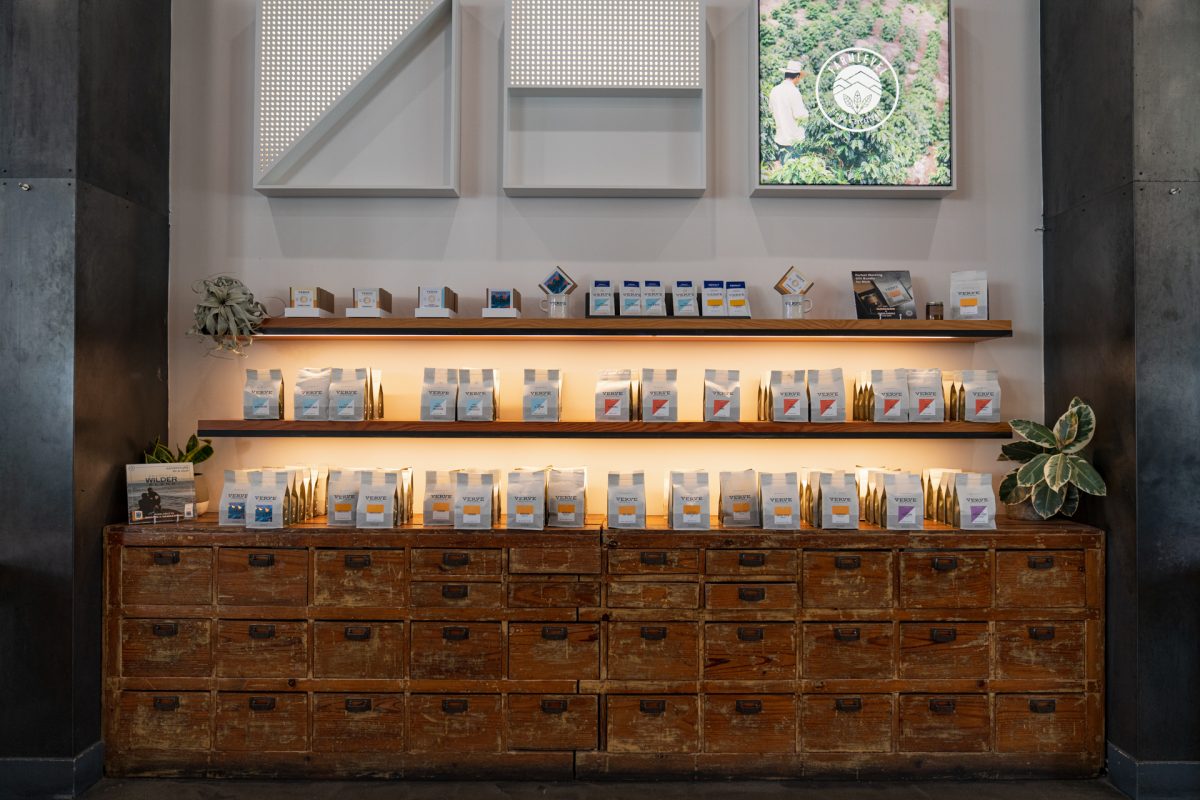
{"x":397,"y":429}
{"x":694,"y":328}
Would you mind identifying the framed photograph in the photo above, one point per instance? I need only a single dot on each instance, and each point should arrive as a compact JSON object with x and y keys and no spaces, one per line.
{"x":854,"y":98}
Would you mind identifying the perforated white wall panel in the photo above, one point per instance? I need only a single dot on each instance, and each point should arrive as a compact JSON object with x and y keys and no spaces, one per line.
{"x":605,"y":43}
{"x":312,"y":51}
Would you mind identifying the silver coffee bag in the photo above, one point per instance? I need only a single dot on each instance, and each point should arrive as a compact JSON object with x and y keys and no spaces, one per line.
{"x":378,"y":493}
{"x":826,"y":395}
{"x":541,"y":395}
{"x":660,"y":395}
{"x":787,"y":396}
{"x":904,"y":501}
{"x":614,"y":396}
{"x":722,"y":395}
{"x":780,"y":500}
{"x":439,"y":395}
{"x":566,"y":497}
{"x":438,"y":507}
{"x":525,"y":500}
{"x":838,"y":501}
{"x":342,"y":497}
{"x":688,"y":500}
{"x":235,"y":494}
{"x":262,"y":394}
{"x":348,"y":394}
{"x":310,"y":394}
{"x":626,"y":500}
{"x":477,"y":390}
{"x":974,"y":502}
{"x":476,"y":500}
{"x":738,"y":506}
{"x":926,"y":402}
{"x":889,"y":395}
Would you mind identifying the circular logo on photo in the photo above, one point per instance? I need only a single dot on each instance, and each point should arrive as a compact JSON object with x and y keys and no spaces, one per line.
{"x":858,"y":90}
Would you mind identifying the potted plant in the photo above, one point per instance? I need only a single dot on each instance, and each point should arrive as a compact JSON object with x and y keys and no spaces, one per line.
{"x":227,"y":313}
{"x":197,"y":451}
{"x":1052,"y":473}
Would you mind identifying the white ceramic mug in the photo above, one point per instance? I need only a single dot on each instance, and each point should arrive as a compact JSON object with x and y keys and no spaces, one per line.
{"x":796,"y":306}
{"x":555,"y":306}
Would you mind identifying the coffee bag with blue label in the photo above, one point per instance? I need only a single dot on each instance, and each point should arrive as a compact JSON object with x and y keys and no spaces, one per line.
{"x":269,"y":501}
{"x":439,"y":395}
{"x":477,"y":395}
{"x":310,"y":394}
{"x":540,"y":395}
{"x":262,"y":394}
{"x":235,"y":494}
{"x":348,"y":394}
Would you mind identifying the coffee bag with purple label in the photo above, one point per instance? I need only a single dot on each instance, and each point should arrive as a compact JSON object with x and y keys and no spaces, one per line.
{"x":904,"y":501}
{"x":974,"y":502}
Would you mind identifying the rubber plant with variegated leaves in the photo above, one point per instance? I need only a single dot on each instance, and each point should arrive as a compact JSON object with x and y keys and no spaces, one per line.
{"x":1053,"y":474}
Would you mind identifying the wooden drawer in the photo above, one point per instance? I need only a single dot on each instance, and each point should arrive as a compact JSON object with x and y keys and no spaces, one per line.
{"x":847,"y":723}
{"x":944,"y":650}
{"x":848,"y":650}
{"x":1040,"y":579}
{"x":750,"y":562}
{"x":164,"y":721}
{"x":653,"y":724}
{"x":351,"y":649}
{"x":262,"y":577}
{"x":764,"y":651}
{"x":166,"y":648}
{"x":641,"y":594}
{"x":442,"y":562}
{"x":358,"y":723}
{"x":653,"y":562}
{"x":1040,"y":650}
{"x":750,"y":596}
{"x":554,"y":560}
{"x":456,"y":650}
{"x":553,"y":722}
{"x":553,"y":594}
{"x":946,"y":579}
{"x":360,"y":578}
{"x":945,"y":723}
{"x":1041,"y":723}
{"x":262,"y":649}
{"x":262,"y":722}
{"x":166,"y":576}
{"x":457,"y":595}
{"x":653,"y":651}
{"x":455,"y":724}
{"x":553,"y":651}
{"x":749,"y":723}
{"x":848,"y":579}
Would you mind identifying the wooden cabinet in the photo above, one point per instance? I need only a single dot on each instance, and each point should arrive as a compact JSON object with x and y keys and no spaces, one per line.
{"x":420,"y":653}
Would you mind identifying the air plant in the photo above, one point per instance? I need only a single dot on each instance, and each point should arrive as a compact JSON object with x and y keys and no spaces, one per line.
{"x":227,"y":313}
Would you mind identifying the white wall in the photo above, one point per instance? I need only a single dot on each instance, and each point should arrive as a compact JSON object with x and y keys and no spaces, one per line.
{"x":219,"y":224}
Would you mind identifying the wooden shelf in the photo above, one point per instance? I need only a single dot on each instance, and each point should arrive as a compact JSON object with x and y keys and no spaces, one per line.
{"x":685,"y":328}
{"x":397,"y":429}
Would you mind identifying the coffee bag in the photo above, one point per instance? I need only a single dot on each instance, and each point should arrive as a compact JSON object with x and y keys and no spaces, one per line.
{"x":660,"y":395}
{"x":780,"y":500}
{"x":787,"y":396}
{"x":974,"y":502}
{"x":348,"y":394}
{"x":262,"y":394}
{"x":378,"y":495}
{"x":688,"y":500}
{"x":525,"y":500}
{"x":889,"y":395}
{"x":438,"y":507}
{"x":566,"y":497}
{"x":310,"y":393}
{"x":722,"y":395}
{"x":738,"y":506}
{"x":626,"y":500}
{"x":826,"y":395}
{"x":614,"y":396}
{"x":969,"y":295}
{"x":439,"y":395}
{"x":476,"y":500}
{"x":541,"y":395}
{"x":904,"y":502}
{"x":477,"y":390}
{"x":342,"y":498}
{"x":269,"y":500}
{"x":979,"y":396}
{"x":235,"y":494}
{"x":925,"y":399}
{"x":838,"y":506}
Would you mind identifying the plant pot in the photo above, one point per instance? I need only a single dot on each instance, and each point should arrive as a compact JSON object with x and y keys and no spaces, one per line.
{"x":202,"y":497}
{"x":1023,"y":511}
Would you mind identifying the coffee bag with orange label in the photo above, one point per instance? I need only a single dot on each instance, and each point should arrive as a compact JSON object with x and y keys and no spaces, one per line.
{"x":476,"y":500}
{"x":688,"y":500}
{"x":525,"y":500}
{"x":438,"y":507}
{"x":566,"y":497}
{"x":779,"y":494}
{"x":378,"y":493}
{"x":738,"y":506}
{"x":838,"y":501}
{"x":626,"y":500}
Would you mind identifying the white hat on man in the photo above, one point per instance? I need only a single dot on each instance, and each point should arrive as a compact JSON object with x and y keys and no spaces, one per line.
{"x":794,"y":66}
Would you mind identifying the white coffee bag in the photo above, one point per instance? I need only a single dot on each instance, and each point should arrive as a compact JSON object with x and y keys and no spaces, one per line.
{"x":348,"y":394}
{"x":342,"y":497}
{"x":566,"y":497}
{"x":787,"y":396}
{"x":614,"y":396}
{"x":626,"y":500}
{"x":310,"y":394}
{"x":738,"y":506}
{"x":476,"y":500}
{"x":268,"y":499}
{"x":722,"y":395}
{"x":889,"y":395}
{"x":541,"y":395}
{"x":439,"y":395}
{"x":780,"y":500}
{"x":525,"y":500}
{"x":979,"y":396}
{"x":974,"y":502}
{"x":688,"y":500}
{"x":969,"y":295}
{"x":438,"y":506}
{"x":378,"y":493}
{"x":262,"y":394}
{"x":826,"y":395}
{"x":838,"y":507}
{"x":905,"y":502}
{"x":926,"y":402}
{"x":235,"y":494}
{"x":660,"y":395}
{"x":477,"y":389}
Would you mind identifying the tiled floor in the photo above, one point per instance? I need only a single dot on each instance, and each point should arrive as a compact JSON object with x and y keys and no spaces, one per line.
{"x":765,"y":790}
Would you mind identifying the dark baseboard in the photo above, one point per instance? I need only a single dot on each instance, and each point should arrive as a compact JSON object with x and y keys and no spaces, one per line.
{"x":27,"y":778}
{"x":1153,"y":780}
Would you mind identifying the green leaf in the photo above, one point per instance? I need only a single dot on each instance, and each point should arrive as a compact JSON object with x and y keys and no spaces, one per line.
{"x":1020,"y":451}
{"x":1071,"y":504}
{"x":1046,"y":501}
{"x":1085,"y":476}
{"x":1057,"y":471}
{"x":1087,"y":427}
{"x":1008,"y":486}
{"x":1034,"y":432}
{"x":1066,"y":428}
{"x":1034,"y":470}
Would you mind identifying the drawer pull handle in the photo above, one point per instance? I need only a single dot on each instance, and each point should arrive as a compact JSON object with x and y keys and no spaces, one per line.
{"x":358,"y":561}
{"x":656,"y":559}
{"x":554,"y":633}
{"x":751,"y":594}
{"x":554,"y":705}
{"x":945,"y":563}
{"x":357,"y":705}
{"x":847,"y":634}
{"x":943,"y":635}
{"x":942,"y":706}
{"x":455,"y":706}
{"x":262,"y":559}
{"x":652,"y":706}
{"x":456,"y":634}
{"x":748,"y":706}
{"x":262,"y":703}
{"x":456,"y":559}
{"x":165,"y":629}
{"x":847,"y":562}
{"x":1041,"y":633}
{"x":847,"y":705}
{"x":455,"y":591}
{"x":752,"y":559}
{"x":166,"y":558}
{"x":1041,"y":562}
{"x":750,"y":634}
{"x":262,"y":631}
{"x":653,"y":633}
{"x":166,"y":703}
{"x":1043,"y":706}
{"x":358,"y":633}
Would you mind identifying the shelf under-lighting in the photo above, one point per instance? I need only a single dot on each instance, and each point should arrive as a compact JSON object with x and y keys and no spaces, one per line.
{"x":397,"y":429}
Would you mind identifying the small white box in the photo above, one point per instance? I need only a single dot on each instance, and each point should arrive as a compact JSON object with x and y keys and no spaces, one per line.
{"x":367,"y":313}
{"x":602,"y":300}
{"x":713,"y":299}
{"x":654,"y":299}
{"x":435,"y":313}
{"x":631,"y":298}
{"x":302,"y":311}
{"x":501,"y":313}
